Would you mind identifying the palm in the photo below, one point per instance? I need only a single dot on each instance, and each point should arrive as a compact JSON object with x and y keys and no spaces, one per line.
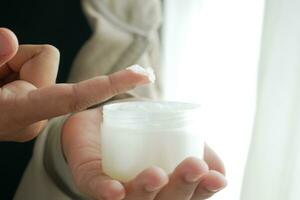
{"x":81,"y":144}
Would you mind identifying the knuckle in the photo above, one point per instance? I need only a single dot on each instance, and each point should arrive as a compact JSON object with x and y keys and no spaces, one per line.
{"x":112,"y":85}
{"x":31,"y":132}
{"x":75,"y":103}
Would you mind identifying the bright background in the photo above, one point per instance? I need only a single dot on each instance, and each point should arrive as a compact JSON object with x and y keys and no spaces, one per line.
{"x":211,"y":53}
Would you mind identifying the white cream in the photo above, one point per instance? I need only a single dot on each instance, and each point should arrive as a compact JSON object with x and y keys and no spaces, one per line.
{"x":144,"y":71}
{"x":137,"y":135}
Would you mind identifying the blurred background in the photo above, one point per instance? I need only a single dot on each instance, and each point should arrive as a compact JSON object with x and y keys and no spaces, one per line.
{"x":240,"y":59}
{"x":211,"y":56}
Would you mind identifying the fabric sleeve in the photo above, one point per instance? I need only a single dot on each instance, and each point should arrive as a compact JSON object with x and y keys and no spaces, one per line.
{"x":125,"y":32}
{"x":47,"y":163}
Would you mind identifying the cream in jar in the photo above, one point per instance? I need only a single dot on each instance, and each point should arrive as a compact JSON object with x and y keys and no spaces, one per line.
{"x":140,"y":134}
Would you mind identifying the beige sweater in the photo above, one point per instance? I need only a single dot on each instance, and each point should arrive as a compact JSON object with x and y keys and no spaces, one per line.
{"x":124,"y":32}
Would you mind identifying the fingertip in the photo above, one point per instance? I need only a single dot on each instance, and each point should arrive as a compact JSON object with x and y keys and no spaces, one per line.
{"x":210,"y":184}
{"x":130,"y":78}
{"x":192,"y":169}
{"x":114,"y":190}
{"x":214,"y":181}
{"x":196,"y":164}
{"x":155,"y":179}
{"x":8,"y":43}
{"x":150,"y":180}
{"x":146,"y":74}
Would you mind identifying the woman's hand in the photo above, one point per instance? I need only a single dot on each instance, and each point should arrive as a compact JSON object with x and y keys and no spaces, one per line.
{"x":29,"y":95}
{"x":193,"y":179}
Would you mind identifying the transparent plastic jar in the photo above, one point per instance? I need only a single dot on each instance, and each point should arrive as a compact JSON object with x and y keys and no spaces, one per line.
{"x":140,"y":134}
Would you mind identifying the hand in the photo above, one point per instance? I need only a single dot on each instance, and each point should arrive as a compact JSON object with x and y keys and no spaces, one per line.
{"x":29,"y":95}
{"x":193,"y":179}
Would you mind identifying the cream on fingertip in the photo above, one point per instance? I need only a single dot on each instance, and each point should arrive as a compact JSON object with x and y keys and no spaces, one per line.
{"x":144,"y":71}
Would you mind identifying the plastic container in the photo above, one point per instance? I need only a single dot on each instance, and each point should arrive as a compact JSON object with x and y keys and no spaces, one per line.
{"x":140,"y":134}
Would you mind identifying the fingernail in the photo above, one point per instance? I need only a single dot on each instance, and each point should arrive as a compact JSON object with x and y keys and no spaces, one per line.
{"x":213,"y":189}
{"x":222,"y":182}
{"x":116,"y":189}
{"x":151,"y":188}
{"x":192,"y":178}
{"x":117,"y":186}
{"x":144,"y":71}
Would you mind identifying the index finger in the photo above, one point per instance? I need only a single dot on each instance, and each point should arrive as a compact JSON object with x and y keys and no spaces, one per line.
{"x":61,"y":99}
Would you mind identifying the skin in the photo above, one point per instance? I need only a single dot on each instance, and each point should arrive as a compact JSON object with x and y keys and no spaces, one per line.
{"x":193,"y":179}
{"x":29,"y":96}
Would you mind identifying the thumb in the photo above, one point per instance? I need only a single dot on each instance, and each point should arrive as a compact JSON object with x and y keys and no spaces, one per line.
{"x":8,"y":45}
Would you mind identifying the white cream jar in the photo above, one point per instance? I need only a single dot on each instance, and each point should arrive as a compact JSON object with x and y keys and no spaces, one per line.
{"x":140,"y":134}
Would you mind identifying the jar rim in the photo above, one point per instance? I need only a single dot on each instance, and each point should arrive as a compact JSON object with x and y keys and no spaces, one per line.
{"x":170,"y":107}
{"x":154,"y":114}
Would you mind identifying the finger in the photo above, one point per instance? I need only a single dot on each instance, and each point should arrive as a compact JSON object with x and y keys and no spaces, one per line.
{"x":211,"y":183}
{"x":24,"y":135}
{"x":36,"y":64}
{"x":81,"y":145}
{"x":8,"y":48}
{"x":62,"y":99}
{"x":213,"y":160}
{"x":184,"y":180}
{"x":30,"y":132}
{"x":147,"y":184}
